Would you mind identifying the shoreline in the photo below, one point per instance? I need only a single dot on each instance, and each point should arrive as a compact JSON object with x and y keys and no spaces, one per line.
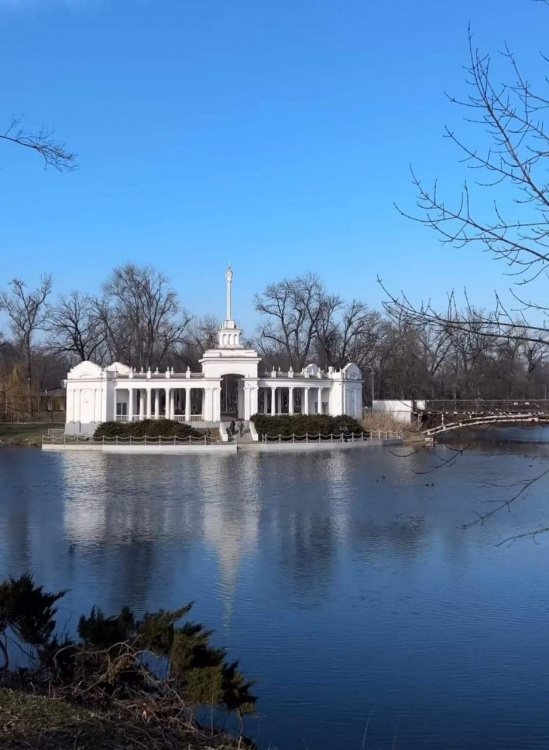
{"x":34,"y":719}
{"x":223,"y":449}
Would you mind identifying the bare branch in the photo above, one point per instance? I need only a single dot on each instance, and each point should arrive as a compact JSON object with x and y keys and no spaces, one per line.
{"x":54,"y":153}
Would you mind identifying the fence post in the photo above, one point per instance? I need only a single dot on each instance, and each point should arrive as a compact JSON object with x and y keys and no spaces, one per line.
{"x":279,"y":438}
{"x":306,"y":437}
{"x":331,"y":437}
{"x":116,"y":440}
{"x":293,"y":437}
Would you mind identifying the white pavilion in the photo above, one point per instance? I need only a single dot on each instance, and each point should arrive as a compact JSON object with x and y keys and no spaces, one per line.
{"x":229,"y":386}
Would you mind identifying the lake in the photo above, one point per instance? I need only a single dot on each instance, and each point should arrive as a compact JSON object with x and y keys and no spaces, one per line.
{"x":343,"y":581}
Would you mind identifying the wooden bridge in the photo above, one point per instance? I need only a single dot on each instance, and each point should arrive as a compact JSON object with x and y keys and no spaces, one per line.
{"x":448,"y":415}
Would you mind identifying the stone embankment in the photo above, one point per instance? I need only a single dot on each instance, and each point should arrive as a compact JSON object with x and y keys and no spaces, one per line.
{"x":273,"y":444}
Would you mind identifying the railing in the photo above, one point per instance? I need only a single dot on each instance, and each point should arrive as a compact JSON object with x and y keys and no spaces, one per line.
{"x":482,"y":406}
{"x":83,"y":440}
{"x":56,"y":431}
{"x":352,"y":437}
{"x":143,"y":417}
{"x":487,"y":420}
{"x":158,"y":375}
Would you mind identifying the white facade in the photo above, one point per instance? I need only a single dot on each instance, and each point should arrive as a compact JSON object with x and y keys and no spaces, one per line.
{"x":229,"y":385}
{"x":402,"y":411}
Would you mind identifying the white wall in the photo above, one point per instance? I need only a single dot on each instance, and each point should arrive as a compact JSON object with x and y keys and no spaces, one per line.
{"x":399,"y":410}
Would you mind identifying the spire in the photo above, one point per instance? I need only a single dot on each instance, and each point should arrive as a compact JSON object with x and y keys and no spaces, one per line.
{"x":229,"y":277}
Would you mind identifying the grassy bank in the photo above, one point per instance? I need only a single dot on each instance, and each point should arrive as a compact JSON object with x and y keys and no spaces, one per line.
{"x":24,"y":434}
{"x":48,"y":723}
{"x":386,"y":423}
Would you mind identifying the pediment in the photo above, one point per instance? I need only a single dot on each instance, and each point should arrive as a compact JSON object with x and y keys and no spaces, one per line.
{"x":352,"y":372}
{"x":119,"y":367}
{"x":85,"y":369}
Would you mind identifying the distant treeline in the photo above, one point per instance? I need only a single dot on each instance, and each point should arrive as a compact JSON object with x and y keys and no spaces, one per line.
{"x":140,"y":319}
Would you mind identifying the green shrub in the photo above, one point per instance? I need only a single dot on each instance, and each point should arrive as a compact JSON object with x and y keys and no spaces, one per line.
{"x":300,"y":424}
{"x":146,"y":428}
{"x":117,"y":656}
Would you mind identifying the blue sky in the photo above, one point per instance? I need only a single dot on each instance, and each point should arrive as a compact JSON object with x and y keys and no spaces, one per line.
{"x":276,"y":134}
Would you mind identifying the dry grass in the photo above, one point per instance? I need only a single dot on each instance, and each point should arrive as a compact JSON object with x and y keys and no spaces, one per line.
{"x":385,"y":422}
{"x":36,"y":721}
{"x":24,"y":434}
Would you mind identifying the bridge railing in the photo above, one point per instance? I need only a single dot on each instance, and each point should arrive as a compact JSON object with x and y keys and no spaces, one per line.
{"x":485,"y":420}
{"x":483,"y":406}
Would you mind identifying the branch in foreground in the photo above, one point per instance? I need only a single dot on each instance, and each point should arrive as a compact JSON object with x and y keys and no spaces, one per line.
{"x":507,"y":505}
{"x":54,"y":153}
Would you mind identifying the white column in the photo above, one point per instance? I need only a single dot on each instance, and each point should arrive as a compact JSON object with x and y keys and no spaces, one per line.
{"x":254,"y":400}
{"x":246,"y":410}
{"x":291,"y":399}
{"x":149,"y":403}
{"x":241,"y":400}
{"x":187,"y":404}
{"x":320,"y":400}
{"x":207,"y":404}
{"x":216,"y":404}
{"x":305,"y":403}
{"x":273,"y":401}
{"x":130,"y":404}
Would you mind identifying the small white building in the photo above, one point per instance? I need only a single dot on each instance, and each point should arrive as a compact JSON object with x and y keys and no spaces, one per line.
{"x":400,"y":410}
{"x":229,"y":386}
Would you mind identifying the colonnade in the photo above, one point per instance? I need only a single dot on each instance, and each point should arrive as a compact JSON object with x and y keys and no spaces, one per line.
{"x":184,"y":402}
{"x":298,"y":400}
{"x":151,"y":403}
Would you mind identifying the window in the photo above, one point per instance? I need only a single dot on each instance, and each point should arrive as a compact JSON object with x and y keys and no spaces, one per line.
{"x":121,"y":409}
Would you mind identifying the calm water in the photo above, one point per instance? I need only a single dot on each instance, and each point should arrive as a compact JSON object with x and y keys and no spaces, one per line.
{"x":354,"y":600}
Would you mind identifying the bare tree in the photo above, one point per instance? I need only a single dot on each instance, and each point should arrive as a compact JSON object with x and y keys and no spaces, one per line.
{"x":141,"y":315}
{"x":512,"y":114}
{"x":347,"y":333}
{"x":27,"y":312}
{"x":292,"y":309}
{"x":201,"y":334}
{"x":75,"y":327}
{"x":42,"y":142}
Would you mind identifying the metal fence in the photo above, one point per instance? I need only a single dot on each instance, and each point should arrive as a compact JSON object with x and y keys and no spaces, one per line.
{"x":83,"y":440}
{"x":353,"y":437}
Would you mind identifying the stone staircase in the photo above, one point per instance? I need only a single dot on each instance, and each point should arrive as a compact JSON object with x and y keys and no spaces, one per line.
{"x":244,"y":439}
